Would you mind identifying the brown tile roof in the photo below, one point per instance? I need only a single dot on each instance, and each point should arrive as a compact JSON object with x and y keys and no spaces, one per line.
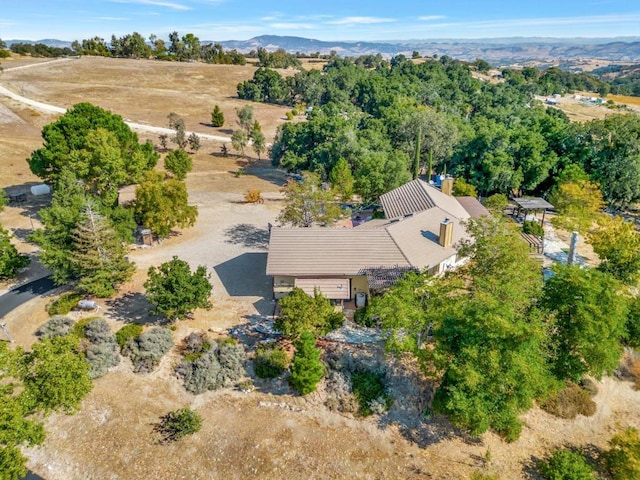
{"x":330,"y":251}
{"x":473,"y":206}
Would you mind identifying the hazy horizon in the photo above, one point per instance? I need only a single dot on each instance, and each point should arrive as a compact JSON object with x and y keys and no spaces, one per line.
{"x":404,"y":20}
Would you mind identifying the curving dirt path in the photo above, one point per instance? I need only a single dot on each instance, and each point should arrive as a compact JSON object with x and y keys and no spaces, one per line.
{"x":45,"y":107}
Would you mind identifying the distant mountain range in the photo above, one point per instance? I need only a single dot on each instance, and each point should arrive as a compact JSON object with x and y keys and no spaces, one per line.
{"x":498,"y":51}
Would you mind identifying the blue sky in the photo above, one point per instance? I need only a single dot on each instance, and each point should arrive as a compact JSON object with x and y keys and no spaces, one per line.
{"x":320,"y":19}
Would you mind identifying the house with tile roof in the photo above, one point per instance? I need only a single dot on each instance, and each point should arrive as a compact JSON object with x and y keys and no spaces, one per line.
{"x":421,"y":228}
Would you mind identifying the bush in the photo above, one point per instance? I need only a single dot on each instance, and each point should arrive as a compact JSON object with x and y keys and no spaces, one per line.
{"x":132,"y":330}
{"x":147,"y":350}
{"x":570,"y":402}
{"x":623,"y":458}
{"x":64,"y":304}
{"x":289,"y":116}
{"x":194,"y":346}
{"x":368,"y":388}
{"x":270,"y":361}
{"x":496,"y":203}
{"x":179,"y":423}
{"x":340,"y":396}
{"x":79,"y":327}
{"x":57,"y":326}
{"x":533,"y":228}
{"x":102,"y":353}
{"x":102,"y":357}
{"x":253,"y":196}
{"x":364,"y":317}
{"x":566,"y":465}
{"x":306,"y":369}
{"x":219,"y":366}
{"x":98,"y":331}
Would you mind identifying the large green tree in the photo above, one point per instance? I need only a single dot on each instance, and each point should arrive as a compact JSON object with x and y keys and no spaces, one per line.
{"x":589,"y":315}
{"x":617,"y":243}
{"x":10,"y":260}
{"x":179,"y":163}
{"x":96,"y":144}
{"x":161,"y":204}
{"x":476,"y":331}
{"x":55,"y":375}
{"x":175,"y":291}
{"x":98,"y":255}
{"x":306,"y":203}
{"x":17,"y":426}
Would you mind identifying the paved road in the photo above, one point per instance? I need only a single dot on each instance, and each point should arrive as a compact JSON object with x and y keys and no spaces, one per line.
{"x":19,"y":295}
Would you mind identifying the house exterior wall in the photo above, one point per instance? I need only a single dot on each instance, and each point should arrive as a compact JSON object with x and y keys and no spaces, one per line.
{"x":283,"y":284}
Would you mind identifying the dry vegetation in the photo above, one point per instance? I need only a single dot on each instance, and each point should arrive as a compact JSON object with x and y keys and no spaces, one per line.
{"x":267,"y":433}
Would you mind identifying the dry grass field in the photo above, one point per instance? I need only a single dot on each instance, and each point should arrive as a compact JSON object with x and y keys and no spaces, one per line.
{"x":268,"y":433}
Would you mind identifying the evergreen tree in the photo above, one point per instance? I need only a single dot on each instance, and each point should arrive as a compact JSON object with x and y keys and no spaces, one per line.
{"x":179,"y":163}
{"x":217,"y":117}
{"x":306,"y":369}
{"x":194,"y":142}
{"x":98,"y":255}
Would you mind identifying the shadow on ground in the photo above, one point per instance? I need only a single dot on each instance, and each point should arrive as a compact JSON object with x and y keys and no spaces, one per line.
{"x":133,"y":308}
{"x":248,"y":235}
{"x":244,"y":276}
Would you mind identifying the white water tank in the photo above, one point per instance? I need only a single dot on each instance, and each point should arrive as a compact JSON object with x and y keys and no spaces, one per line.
{"x":41,"y":189}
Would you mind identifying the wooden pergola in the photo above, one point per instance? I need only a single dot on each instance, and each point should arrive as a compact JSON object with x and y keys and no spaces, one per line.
{"x":534,"y":204}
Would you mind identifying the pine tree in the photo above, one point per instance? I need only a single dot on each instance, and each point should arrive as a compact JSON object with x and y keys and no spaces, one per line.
{"x":342,"y":180}
{"x":217,"y":117}
{"x":10,"y":260}
{"x":98,"y":255}
{"x":306,"y":369}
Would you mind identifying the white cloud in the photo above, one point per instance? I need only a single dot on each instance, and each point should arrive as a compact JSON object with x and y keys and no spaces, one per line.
{"x":157,"y":3}
{"x":291,"y":26}
{"x":427,"y":18}
{"x":361,"y":20}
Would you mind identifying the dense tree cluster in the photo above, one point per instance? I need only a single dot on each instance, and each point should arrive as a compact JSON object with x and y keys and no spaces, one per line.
{"x":495,"y":135}
{"x":40,"y":50}
{"x":496,"y":339}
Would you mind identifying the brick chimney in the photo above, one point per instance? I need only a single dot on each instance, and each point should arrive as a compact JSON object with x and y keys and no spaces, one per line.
{"x":446,"y":233}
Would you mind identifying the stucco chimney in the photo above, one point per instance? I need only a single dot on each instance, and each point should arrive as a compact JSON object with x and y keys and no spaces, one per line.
{"x":446,"y":233}
{"x":447,"y":186}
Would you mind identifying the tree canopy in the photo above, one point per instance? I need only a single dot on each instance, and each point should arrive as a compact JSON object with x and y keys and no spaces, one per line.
{"x":97,"y":145}
{"x":175,"y":291}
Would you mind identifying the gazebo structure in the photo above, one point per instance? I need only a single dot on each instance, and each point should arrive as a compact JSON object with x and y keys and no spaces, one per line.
{"x":531,"y":204}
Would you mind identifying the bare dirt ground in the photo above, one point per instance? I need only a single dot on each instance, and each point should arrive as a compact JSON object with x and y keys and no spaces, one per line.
{"x":268,"y":433}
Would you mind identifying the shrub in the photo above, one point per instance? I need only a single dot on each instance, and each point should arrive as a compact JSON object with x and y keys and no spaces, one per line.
{"x":55,"y":327}
{"x":570,"y":402}
{"x":253,"y":196}
{"x":533,"y":228}
{"x":566,"y":465}
{"x":368,"y":388}
{"x":102,"y":357}
{"x":147,"y":350}
{"x":622,"y":460}
{"x":179,"y":423}
{"x":364,"y":317}
{"x":306,"y":369}
{"x":131,"y":330}
{"x":483,"y":476}
{"x":496,"y":203}
{"x":79,"y":327}
{"x":220,"y":366}
{"x":194,"y":346}
{"x":270,"y":361}
{"x":340,"y":396}
{"x":64,"y":304}
{"x":289,"y":116}
{"x":98,"y":331}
